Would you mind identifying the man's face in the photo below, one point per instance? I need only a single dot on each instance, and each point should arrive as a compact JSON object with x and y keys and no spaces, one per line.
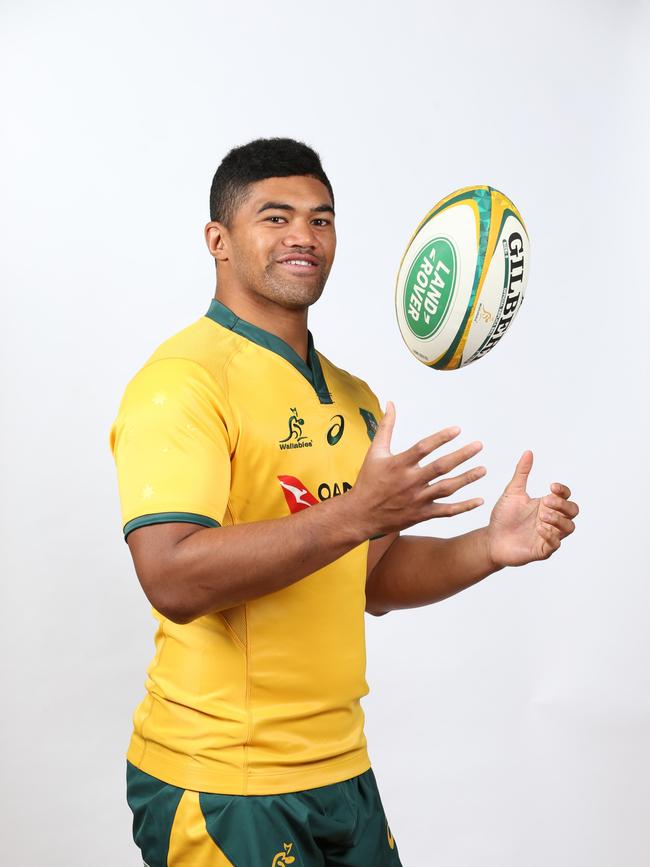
{"x":282,"y":240}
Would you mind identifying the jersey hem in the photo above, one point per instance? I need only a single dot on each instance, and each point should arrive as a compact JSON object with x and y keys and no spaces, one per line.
{"x":182,"y":772}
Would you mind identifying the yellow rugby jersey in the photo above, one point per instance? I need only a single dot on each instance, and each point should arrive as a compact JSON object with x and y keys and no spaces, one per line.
{"x":226,"y":424}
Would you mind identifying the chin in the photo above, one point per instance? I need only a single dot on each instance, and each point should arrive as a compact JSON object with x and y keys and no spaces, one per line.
{"x":293,"y":297}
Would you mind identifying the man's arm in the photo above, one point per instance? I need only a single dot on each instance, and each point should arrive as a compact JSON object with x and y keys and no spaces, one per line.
{"x":409,"y":571}
{"x":419,"y":570}
{"x":187,"y":572}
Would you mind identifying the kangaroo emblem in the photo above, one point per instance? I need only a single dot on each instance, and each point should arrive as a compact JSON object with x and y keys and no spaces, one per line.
{"x":297,"y":493}
{"x":282,"y":858}
{"x":295,"y":427}
{"x":486,"y":315}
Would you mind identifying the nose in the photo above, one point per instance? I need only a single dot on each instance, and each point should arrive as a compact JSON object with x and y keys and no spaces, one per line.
{"x":300,"y":233}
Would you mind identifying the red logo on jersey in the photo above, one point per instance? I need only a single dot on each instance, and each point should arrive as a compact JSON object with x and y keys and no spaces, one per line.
{"x":296,"y":494}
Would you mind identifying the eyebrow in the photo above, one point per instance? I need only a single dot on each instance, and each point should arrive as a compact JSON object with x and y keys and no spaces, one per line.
{"x":282,"y":206}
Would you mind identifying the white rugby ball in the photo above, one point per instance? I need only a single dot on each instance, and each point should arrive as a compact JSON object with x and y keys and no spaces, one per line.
{"x":462,"y":278}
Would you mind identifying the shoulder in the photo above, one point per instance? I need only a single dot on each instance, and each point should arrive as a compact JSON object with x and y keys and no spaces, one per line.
{"x":185,"y":378}
{"x":200,"y":353}
{"x":203,"y":342}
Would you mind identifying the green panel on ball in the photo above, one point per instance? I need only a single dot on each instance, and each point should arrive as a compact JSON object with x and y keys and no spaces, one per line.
{"x":483,"y":199}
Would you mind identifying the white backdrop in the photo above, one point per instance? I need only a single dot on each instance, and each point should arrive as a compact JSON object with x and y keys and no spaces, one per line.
{"x":508,"y":726}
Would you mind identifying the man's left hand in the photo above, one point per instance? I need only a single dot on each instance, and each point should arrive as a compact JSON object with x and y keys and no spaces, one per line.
{"x":523,"y":529}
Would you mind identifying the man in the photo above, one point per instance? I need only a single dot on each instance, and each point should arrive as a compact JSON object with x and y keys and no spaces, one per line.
{"x":263,"y":508}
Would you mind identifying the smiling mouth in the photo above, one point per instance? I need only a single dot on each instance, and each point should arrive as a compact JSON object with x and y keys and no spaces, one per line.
{"x":298,"y":265}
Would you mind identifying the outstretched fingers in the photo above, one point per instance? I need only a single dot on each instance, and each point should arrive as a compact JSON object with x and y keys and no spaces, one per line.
{"x":439,"y":467}
{"x":449,"y":462}
{"x":447,"y":487}
{"x":424,"y":447}
{"x":447,"y":510}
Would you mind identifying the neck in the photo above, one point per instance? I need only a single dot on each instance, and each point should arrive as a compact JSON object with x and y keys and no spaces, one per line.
{"x":288,"y":325}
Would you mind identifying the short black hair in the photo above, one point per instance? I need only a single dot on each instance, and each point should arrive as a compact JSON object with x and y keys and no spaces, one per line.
{"x":255,"y":161}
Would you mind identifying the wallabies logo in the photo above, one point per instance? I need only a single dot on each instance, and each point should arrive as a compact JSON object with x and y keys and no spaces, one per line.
{"x":282,"y":858}
{"x":295,"y":438}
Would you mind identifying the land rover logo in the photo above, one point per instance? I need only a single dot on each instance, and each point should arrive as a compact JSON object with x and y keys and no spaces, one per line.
{"x":429,"y":287}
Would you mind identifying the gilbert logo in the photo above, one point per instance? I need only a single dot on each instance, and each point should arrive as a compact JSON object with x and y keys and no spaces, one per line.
{"x":282,"y":858}
{"x":295,"y":438}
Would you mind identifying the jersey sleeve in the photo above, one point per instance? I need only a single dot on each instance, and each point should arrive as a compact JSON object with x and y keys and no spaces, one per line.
{"x":171,"y":445}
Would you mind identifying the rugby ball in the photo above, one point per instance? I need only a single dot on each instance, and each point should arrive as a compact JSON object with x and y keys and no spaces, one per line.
{"x":462,"y":278}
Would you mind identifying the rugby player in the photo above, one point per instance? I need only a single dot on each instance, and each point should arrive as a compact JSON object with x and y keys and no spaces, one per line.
{"x":264,"y":510}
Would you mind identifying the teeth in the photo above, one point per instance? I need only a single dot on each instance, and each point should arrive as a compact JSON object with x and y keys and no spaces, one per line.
{"x":297,"y":262}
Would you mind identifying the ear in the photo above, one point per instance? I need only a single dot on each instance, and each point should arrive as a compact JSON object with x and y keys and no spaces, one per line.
{"x":216,"y":237}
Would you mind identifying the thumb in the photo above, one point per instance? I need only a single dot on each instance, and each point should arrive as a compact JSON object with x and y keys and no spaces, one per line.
{"x":517,"y":485}
{"x":382,"y":438}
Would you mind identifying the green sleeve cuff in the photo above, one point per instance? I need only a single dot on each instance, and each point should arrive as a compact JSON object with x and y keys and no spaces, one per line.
{"x":169,"y":518}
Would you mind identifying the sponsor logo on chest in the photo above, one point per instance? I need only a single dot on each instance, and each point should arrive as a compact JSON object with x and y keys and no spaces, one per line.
{"x":299,"y":497}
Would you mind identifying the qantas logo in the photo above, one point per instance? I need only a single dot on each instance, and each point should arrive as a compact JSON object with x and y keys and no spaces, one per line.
{"x":299,"y":497}
{"x":296,"y":494}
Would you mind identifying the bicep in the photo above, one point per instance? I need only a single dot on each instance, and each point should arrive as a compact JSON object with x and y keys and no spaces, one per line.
{"x":152,"y":550}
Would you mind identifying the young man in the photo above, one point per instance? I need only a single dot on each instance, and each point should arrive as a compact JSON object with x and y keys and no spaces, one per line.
{"x":263,"y":507}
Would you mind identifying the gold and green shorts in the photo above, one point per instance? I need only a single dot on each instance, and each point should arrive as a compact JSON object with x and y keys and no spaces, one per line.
{"x":340,"y":825}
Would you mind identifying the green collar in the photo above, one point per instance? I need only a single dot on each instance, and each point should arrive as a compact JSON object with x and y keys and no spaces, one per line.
{"x":312,"y":372}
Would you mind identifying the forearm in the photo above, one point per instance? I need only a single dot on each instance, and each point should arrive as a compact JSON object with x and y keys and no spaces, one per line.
{"x":419,"y":570}
{"x":217,"y":568}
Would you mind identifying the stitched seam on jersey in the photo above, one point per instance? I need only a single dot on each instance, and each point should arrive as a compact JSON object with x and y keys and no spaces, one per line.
{"x":226,"y":376}
{"x":249,"y":719}
{"x":230,"y":512}
{"x":232,"y":632}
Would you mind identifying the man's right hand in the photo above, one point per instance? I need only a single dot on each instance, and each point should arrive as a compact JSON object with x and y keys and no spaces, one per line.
{"x":393,"y":492}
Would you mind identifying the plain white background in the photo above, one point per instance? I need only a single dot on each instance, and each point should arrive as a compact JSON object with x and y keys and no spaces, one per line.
{"x":508,"y":726}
